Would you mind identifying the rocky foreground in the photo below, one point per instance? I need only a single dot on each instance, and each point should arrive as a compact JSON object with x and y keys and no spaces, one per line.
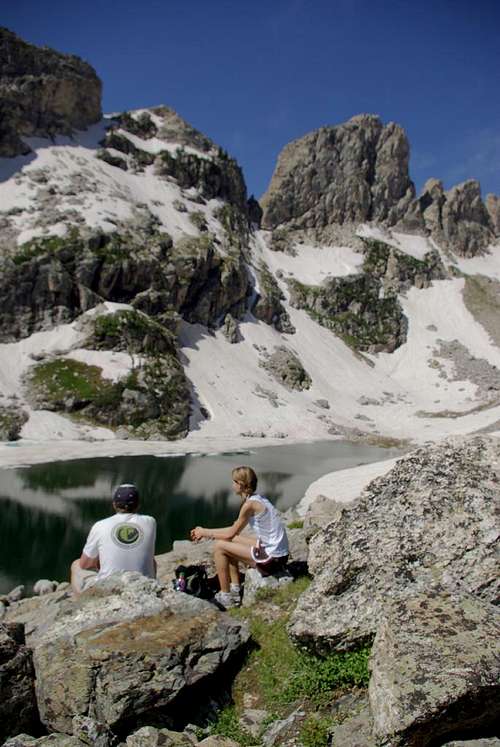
{"x":410,"y":568}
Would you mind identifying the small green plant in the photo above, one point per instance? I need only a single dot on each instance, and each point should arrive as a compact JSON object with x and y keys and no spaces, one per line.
{"x":315,"y":731}
{"x":297,"y":524}
{"x":227,"y":725}
{"x":316,"y":678}
{"x":44,"y":245}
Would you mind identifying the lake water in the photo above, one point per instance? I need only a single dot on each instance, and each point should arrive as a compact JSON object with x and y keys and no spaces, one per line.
{"x":48,"y":509}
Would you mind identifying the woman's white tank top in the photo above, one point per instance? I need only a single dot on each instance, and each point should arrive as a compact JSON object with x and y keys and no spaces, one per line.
{"x":269,"y":528}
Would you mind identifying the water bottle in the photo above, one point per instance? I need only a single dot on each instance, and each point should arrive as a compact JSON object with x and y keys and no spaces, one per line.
{"x":181,"y":582}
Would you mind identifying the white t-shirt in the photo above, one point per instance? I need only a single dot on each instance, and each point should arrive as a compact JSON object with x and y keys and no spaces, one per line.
{"x":269,"y":528}
{"x":123,"y":542}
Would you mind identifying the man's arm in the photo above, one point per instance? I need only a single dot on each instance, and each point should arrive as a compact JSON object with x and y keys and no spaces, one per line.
{"x":88,"y":564}
{"x":89,"y":559}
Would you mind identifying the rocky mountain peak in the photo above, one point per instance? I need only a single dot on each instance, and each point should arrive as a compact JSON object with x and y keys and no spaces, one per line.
{"x":457,"y":219}
{"x":175,"y":129}
{"x":43,"y":93}
{"x":353,"y":172}
{"x":359,"y":172}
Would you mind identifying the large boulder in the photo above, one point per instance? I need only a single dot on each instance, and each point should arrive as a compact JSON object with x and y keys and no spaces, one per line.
{"x":431,"y":519}
{"x":130,"y":652}
{"x":18,"y":709}
{"x":42,"y":93}
{"x":435,"y":669}
{"x":32,"y":612}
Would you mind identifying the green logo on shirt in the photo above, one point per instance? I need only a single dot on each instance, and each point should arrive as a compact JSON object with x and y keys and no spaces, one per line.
{"x":127,"y":535}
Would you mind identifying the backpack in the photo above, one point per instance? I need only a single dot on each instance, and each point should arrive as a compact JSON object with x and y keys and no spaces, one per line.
{"x":196,"y":581}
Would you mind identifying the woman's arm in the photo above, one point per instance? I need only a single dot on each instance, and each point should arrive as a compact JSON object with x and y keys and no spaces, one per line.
{"x":224,"y":533}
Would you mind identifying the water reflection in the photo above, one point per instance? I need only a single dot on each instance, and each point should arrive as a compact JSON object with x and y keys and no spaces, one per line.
{"x":48,"y":509}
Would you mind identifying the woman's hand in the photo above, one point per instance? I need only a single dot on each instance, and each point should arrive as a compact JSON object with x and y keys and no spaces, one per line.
{"x":197,"y":534}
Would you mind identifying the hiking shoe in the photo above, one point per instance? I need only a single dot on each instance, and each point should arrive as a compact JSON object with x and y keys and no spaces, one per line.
{"x":227,"y":600}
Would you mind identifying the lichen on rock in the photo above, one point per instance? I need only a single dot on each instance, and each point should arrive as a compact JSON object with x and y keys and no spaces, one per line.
{"x":431,"y":520}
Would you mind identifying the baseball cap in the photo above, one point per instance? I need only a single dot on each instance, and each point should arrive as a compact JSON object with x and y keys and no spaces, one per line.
{"x":126,"y":495}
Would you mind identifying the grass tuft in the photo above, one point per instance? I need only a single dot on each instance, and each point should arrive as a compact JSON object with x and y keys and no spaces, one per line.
{"x":315,"y":731}
{"x":228,"y":725}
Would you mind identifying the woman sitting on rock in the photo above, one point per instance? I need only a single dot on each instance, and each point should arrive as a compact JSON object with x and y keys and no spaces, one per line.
{"x":266,"y":548}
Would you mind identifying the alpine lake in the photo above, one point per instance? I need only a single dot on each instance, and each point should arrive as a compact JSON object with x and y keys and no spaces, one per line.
{"x":48,"y":509}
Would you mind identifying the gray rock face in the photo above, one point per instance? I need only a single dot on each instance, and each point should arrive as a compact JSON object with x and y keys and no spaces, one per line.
{"x":352,"y":307}
{"x":51,"y":281}
{"x":457,"y":219}
{"x":493,"y":208}
{"x":356,"y":731}
{"x":432,"y":519}
{"x":18,"y":711}
{"x":435,"y":669}
{"x":286,"y":368}
{"x":254,"y":583}
{"x":42,"y":93}
{"x":230,"y":329}
{"x":319,"y":514}
{"x":90,"y":731}
{"x":354,"y":172}
{"x":268,"y":307}
{"x":51,"y":740}
{"x":357,"y":172}
{"x":148,"y":736}
{"x":130,"y":650}
{"x":12,"y":419}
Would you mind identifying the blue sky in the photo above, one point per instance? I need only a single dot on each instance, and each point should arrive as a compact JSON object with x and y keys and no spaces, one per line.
{"x":253,"y":76}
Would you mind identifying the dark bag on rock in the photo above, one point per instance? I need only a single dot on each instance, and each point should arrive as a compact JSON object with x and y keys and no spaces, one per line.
{"x":195,"y":581}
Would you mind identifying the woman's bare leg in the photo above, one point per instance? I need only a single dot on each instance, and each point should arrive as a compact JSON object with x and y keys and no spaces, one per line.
{"x":234,"y":572}
{"x":245,"y":540}
{"x":226,"y":556}
{"x":248,"y":540}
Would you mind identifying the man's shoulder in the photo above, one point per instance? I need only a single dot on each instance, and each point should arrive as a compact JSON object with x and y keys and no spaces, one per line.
{"x":144,"y":518}
{"x":103,"y":523}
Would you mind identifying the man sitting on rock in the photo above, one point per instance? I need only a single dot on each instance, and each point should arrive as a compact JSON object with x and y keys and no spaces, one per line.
{"x":123,"y":542}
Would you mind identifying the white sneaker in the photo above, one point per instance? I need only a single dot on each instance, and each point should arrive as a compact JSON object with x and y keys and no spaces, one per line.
{"x":227,"y":600}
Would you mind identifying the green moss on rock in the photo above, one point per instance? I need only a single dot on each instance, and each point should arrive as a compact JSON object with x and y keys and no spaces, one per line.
{"x":400,"y":269}
{"x":65,"y":384}
{"x":354,"y":309}
{"x":131,"y":331}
